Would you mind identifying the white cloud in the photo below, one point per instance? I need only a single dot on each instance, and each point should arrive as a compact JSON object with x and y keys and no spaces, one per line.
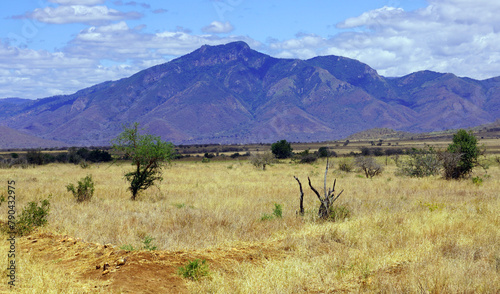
{"x":218,"y":27}
{"x":78,"y":2}
{"x":38,"y":74}
{"x":458,"y":36}
{"x":80,"y":14}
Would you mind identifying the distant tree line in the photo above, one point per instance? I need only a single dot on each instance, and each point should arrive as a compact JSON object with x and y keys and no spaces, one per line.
{"x":73,"y":155}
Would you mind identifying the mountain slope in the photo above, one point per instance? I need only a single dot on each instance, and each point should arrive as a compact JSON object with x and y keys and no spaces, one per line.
{"x":233,"y":94}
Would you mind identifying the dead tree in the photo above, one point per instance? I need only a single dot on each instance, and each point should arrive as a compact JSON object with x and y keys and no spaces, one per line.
{"x":326,"y":201}
{"x":301,"y":197}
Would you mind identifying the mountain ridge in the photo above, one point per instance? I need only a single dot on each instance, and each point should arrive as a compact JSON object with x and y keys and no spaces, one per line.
{"x":233,"y":94}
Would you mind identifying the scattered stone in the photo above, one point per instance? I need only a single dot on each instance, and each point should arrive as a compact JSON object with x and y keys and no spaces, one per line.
{"x":105,"y":272}
{"x":121,"y":261}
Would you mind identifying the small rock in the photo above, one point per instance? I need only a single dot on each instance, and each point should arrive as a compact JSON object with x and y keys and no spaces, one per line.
{"x":105,"y":272}
{"x":121,"y":261}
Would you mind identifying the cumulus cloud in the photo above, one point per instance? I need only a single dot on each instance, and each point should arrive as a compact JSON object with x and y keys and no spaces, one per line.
{"x":80,"y":14}
{"x":78,"y":2}
{"x":218,"y":27}
{"x":458,"y":36}
{"x":84,"y":62}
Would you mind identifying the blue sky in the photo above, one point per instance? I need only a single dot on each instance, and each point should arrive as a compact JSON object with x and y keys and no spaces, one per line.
{"x":50,"y":47}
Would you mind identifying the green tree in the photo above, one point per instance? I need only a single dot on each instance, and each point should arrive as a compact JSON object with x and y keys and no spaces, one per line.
{"x":282,"y":149}
{"x":465,"y":144}
{"x":147,"y":152}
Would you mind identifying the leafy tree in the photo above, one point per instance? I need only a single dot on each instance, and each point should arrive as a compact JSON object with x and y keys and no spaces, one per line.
{"x":147,"y":153}
{"x":282,"y":149}
{"x":464,"y":143}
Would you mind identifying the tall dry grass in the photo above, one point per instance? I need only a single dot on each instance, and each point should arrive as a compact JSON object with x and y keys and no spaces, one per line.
{"x":405,"y":235}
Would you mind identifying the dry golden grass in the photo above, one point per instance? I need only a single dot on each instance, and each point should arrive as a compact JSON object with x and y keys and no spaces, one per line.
{"x":405,"y":235}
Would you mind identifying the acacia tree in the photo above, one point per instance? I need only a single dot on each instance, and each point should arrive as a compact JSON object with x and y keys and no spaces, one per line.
{"x":147,"y":152}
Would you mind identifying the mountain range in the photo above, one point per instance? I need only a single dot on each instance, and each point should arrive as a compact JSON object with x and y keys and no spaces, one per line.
{"x":233,"y":94}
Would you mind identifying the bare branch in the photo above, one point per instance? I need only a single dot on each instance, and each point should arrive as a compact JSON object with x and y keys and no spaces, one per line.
{"x":314,"y":190}
{"x":301,"y":197}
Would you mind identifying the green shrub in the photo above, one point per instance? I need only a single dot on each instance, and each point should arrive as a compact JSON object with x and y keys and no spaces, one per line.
{"x":278,"y":210}
{"x":420,"y":163}
{"x":282,"y":149}
{"x":194,"y":270}
{"x":148,"y":243}
{"x":464,"y":144}
{"x":32,"y":216}
{"x":346,"y":165}
{"x":84,"y":191}
{"x":477,"y":180}
{"x":339,"y":213}
{"x":127,"y":247}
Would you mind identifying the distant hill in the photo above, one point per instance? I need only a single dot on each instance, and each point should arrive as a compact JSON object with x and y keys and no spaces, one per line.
{"x":13,"y":139}
{"x":233,"y":94}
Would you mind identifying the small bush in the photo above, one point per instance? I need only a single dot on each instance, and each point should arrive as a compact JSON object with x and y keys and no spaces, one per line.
{"x":346,"y":165}
{"x":127,"y":247}
{"x":32,"y":216}
{"x":450,"y":162}
{"x":148,"y":240}
{"x":84,"y":164}
{"x":278,"y":210}
{"x":420,"y":163}
{"x":339,"y":213}
{"x":477,"y":180}
{"x":308,"y":158}
{"x":261,"y":160}
{"x":194,"y":270}
{"x":370,"y":167}
{"x":84,"y":191}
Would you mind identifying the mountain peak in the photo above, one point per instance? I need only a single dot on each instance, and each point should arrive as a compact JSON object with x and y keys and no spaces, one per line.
{"x":209,"y":55}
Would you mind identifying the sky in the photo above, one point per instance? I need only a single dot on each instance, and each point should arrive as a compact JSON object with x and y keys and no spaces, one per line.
{"x":54,"y":47}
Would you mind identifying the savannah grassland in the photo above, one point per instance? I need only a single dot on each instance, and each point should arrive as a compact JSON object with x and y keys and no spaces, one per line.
{"x":404,"y":235}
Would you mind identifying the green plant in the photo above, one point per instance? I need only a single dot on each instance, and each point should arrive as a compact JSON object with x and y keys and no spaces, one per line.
{"x":148,"y":243}
{"x":281,"y":149}
{"x":420,"y":163}
{"x":346,"y":165}
{"x":339,"y":213}
{"x":477,"y":180}
{"x":194,"y":270}
{"x":84,"y":164}
{"x":147,"y":153}
{"x":266,"y":217}
{"x":84,"y":191}
{"x":278,"y":210}
{"x":127,"y":247}
{"x":465,"y":144}
{"x":32,"y":216}
{"x":205,"y":160}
